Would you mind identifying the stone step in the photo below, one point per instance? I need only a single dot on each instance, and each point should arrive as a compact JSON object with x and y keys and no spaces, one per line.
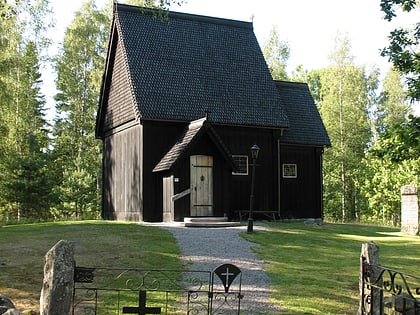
{"x":206,"y":219}
{"x":209,"y":222}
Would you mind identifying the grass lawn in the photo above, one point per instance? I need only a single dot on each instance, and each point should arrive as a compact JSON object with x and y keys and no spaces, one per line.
{"x":107,"y":244}
{"x":315,"y":269}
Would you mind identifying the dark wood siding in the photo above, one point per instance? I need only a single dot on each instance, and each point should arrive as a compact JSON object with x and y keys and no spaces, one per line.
{"x":158,"y":139}
{"x":126,"y":169}
{"x":122,"y":149}
{"x":182,"y":206}
{"x":301,"y":196}
{"x":239,"y":141}
{"x":122,"y":180}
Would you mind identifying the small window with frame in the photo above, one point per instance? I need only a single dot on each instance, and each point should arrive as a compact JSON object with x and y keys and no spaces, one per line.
{"x":289,"y":170}
{"x":241,"y":162}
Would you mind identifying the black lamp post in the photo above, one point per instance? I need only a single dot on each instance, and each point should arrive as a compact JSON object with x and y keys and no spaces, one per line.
{"x":255,"y":150}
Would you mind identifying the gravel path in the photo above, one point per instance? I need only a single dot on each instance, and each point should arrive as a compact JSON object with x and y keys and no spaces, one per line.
{"x":207,"y":248}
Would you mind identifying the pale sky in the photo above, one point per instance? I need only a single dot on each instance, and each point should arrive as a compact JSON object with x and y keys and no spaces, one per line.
{"x":309,"y":26}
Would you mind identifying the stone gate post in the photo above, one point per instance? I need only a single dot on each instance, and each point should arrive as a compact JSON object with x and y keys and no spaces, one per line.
{"x":369,"y":254}
{"x":409,"y":209}
{"x":58,"y":284}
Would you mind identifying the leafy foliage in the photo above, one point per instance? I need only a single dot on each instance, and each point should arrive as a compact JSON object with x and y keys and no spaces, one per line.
{"x":343,"y":91}
{"x":382,"y":187}
{"x":403,"y":45}
{"x":392,"y":161}
{"x":24,"y":182}
{"x":276,"y":53}
{"x":77,"y":153}
{"x":392,"y":103}
{"x":388,"y":7}
{"x":400,"y":141}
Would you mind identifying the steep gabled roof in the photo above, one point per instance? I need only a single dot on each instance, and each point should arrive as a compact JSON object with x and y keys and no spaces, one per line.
{"x":194,"y":131}
{"x":306,"y":126}
{"x":181,"y":65}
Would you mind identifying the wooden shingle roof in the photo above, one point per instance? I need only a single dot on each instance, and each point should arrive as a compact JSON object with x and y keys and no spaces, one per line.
{"x":182,"y":65}
{"x":306,"y":126}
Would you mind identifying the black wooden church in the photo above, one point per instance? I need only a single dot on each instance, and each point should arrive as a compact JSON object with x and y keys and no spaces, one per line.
{"x":183,"y":99}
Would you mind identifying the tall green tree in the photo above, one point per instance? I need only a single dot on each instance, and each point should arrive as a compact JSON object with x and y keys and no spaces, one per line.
{"x":393,"y":105}
{"x":79,"y":68}
{"x":344,"y":102}
{"x":276,"y":53}
{"x":27,"y":182}
{"x":391,"y":159}
{"x":24,"y":145}
{"x":9,"y":41}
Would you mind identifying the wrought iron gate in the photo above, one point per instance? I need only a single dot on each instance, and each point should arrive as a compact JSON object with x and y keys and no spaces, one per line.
{"x":387,"y":291}
{"x":118,"y":291}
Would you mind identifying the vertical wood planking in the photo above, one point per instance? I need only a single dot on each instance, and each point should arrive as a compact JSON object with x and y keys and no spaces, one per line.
{"x":201,"y":185}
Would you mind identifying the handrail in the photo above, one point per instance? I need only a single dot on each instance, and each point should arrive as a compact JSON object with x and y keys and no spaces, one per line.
{"x":181,"y":194}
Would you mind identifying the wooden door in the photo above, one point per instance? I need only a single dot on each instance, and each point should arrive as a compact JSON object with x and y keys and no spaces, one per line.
{"x":201,"y":167}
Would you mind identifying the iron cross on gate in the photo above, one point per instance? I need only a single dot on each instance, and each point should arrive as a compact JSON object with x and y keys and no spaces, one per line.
{"x":227,"y":273}
{"x":141,"y":309}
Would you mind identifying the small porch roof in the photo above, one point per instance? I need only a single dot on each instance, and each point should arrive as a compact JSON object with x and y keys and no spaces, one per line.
{"x":191,"y":135}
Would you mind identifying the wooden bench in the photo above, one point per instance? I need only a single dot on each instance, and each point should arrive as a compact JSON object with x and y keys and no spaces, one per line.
{"x":271,"y":214}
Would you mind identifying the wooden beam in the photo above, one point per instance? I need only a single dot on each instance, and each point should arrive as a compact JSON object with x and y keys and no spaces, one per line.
{"x":181,"y":194}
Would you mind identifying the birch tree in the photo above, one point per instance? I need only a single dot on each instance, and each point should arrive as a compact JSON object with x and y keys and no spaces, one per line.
{"x":393,"y":105}
{"x":344,"y":101}
{"x":276,"y":53}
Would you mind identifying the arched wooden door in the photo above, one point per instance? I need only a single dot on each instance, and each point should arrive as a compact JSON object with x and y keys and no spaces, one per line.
{"x":201,"y":169}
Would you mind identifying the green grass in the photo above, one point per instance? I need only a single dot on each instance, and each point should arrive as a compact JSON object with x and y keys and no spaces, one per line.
{"x":107,"y":244}
{"x":315,"y":269}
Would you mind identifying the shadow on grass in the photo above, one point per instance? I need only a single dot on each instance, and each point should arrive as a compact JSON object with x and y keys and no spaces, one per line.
{"x":315,"y":269}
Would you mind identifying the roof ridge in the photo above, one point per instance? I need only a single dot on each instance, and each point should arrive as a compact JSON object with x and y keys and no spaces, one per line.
{"x":185,"y":16}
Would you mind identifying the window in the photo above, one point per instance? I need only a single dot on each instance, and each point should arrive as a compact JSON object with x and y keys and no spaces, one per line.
{"x":289,"y":170}
{"x":241,"y":162}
